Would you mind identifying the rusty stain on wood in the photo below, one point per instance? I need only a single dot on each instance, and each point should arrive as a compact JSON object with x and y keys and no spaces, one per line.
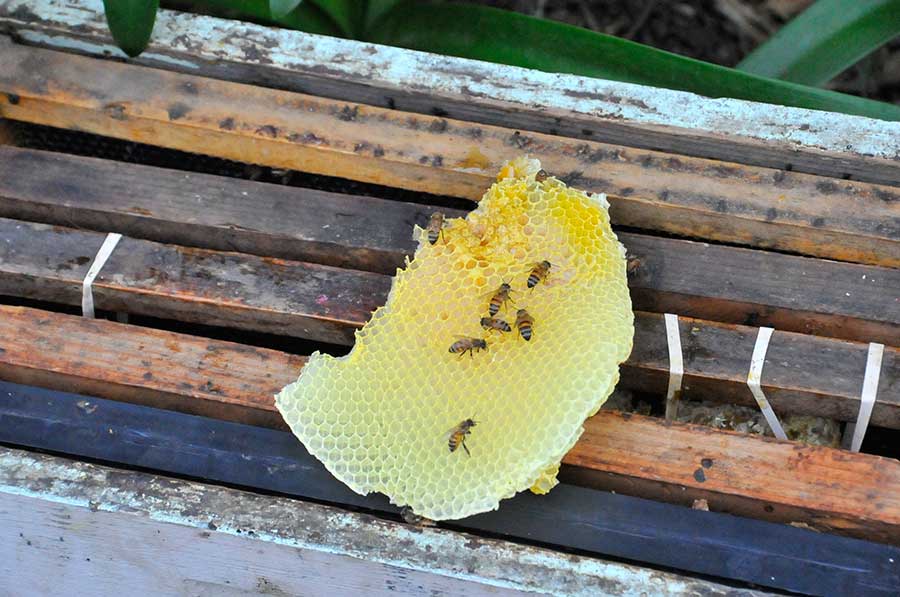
{"x":651,"y":190}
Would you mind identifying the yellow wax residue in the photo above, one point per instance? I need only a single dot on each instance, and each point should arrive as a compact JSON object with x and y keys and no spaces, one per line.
{"x":378,"y":418}
{"x":475,"y":159}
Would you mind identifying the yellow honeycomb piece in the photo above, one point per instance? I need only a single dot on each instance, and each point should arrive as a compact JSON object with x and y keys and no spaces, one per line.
{"x":379,"y":417}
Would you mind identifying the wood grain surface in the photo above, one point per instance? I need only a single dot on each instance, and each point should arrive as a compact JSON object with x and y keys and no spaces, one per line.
{"x":732,"y":130}
{"x":851,"y":493}
{"x":328,"y":304}
{"x":64,"y":549}
{"x":715,"y":282}
{"x":801,"y":213}
{"x":291,"y":298}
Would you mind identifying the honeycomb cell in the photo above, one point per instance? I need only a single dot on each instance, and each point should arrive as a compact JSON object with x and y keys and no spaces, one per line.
{"x":379,"y":418}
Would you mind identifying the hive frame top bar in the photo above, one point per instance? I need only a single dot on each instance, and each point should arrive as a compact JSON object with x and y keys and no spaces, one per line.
{"x":737,"y":130}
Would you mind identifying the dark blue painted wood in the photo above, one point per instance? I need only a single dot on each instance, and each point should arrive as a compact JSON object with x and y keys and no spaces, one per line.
{"x":766,"y":554}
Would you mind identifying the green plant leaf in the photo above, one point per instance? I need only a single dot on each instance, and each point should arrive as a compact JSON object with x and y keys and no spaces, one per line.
{"x":377,"y":9}
{"x":824,"y":40}
{"x":348,"y":14}
{"x":305,"y":16}
{"x":131,"y":23}
{"x":494,"y":35}
{"x":280,"y":8}
{"x":310,"y":18}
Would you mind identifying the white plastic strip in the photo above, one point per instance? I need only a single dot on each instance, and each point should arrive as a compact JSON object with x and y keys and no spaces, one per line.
{"x":676,"y":366}
{"x":87,"y":296}
{"x":755,"y":377}
{"x":869,"y":391}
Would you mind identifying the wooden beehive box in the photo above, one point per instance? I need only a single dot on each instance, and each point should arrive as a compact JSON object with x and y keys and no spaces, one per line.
{"x":735,"y":215}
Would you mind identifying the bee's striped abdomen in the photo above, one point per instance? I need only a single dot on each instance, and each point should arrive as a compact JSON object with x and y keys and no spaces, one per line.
{"x":435,"y":226}
{"x":458,"y":436}
{"x":500,"y":297}
{"x":539,"y":272}
{"x":524,"y":322}
{"x":490,"y":323}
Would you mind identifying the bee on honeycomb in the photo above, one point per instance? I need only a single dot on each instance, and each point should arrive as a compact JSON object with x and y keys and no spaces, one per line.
{"x":377,"y":418}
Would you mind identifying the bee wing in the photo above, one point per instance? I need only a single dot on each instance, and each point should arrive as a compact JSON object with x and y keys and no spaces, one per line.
{"x":489,"y":294}
{"x":535,"y":266}
{"x":450,"y":432}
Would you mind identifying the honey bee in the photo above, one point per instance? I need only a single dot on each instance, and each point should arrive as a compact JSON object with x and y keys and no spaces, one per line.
{"x":410,"y":517}
{"x":524,"y":321}
{"x":539,"y":272}
{"x":435,"y":227}
{"x":500,"y":297}
{"x":493,"y":323}
{"x":470,"y":345}
{"x":632,"y":264}
{"x":457,"y":436}
{"x":541,"y":175}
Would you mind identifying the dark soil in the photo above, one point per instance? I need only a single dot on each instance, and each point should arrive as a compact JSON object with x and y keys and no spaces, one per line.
{"x":718,"y":31}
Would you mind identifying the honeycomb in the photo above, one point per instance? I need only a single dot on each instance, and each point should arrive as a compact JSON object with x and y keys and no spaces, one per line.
{"x":379,"y":417}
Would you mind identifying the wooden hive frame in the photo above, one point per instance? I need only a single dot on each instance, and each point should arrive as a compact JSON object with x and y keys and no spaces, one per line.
{"x":218,"y":259}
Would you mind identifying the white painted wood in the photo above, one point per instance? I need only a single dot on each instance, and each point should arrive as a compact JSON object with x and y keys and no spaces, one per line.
{"x":72,"y":528}
{"x":49,"y":548}
{"x":812,"y":141}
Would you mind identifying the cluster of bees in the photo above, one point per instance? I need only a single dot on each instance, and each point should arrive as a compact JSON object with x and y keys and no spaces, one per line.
{"x":498,"y":298}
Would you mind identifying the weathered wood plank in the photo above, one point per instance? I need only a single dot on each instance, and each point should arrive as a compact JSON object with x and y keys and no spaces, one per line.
{"x":728,"y":284}
{"x":807,"y":214}
{"x":145,"y":366}
{"x":63,"y":549}
{"x":327,"y":304}
{"x":847,"y":492}
{"x":802,"y":374}
{"x":578,"y":107}
{"x":218,"y":288}
{"x":745,"y":286}
{"x":208,"y":211}
{"x":100,"y":529}
{"x":571,"y":517}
